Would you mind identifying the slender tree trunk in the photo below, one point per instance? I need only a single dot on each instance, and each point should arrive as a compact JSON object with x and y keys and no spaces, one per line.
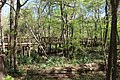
{"x":67,"y":34}
{"x":112,"y":57}
{"x":107,"y":22}
{"x":2,"y":35}
{"x":15,"y":35}
{"x":15,"y":32}
{"x":62,"y":6}
{"x":95,"y":23}
{"x":49,"y":26}
{"x":105,"y":32}
{"x":11,"y":31}
{"x":62,"y":19}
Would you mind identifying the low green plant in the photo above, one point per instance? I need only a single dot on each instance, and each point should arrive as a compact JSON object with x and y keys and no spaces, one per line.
{"x":8,"y":78}
{"x":24,"y":59}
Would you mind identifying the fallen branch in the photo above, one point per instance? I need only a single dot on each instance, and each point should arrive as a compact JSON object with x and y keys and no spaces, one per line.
{"x":36,"y":39}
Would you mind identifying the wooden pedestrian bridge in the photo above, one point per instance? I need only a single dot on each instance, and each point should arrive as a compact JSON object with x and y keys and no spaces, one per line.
{"x":48,"y":43}
{"x":32,"y":41}
{"x":25,"y":41}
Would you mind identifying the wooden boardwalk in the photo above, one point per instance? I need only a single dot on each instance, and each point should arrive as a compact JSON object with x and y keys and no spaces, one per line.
{"x":31,"y":41}
{"x":23,"y":41}
{"x":26,"y":44}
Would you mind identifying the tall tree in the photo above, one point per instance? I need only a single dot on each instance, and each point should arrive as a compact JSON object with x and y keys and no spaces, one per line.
{"x":17,"y":14}
{"x":10,"y":46}
{"x":106,"y":30}
{"x":2,"y":3}
{"x":112,"y":57}
{"x":62,"y":6}
{"x":107,"y":22}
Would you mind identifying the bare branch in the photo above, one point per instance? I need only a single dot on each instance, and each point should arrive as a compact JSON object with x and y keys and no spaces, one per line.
{"x":23,"y":3}
{"x":11,"y":6}
{"x":36,"y":38}
{"x":45,"y":7}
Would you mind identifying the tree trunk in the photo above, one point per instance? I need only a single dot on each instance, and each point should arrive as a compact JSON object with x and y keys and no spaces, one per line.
{"x":107,"y":22}
{"x":15,"y":32}
{"x":62,"y":19}
{"x":10,"y":47}
{"x":15,"y":35}
{"x":112,"y":57}
{"x":105,"y":32}
{"x":2,"y":35}
{"x":49,"y":26}
{"x":113,"y":36}
{"x":67,"y":34}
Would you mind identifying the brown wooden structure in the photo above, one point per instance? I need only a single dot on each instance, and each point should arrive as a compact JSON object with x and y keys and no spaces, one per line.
{"x":43,"y":40}
{"x":50,"y":44}
{"x":25,"y":43}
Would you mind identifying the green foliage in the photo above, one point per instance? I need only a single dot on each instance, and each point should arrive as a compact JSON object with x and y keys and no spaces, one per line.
{"x":24,"y":59}
{"x":8,"y":78}
{"x":54,"y":62}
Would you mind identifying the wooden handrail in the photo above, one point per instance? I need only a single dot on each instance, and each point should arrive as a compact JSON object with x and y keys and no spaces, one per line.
{"x":47,"y":40}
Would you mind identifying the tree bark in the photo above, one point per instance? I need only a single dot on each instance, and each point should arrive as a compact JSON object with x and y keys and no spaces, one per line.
{"x":2,"y":35}
{"x":62,"y":19}
{"x":15,"y":35}
{"x":18,"y":7}
{"x":10,"y":46}
{"x":2,"y":3}
{"x":107,"y":22}
{"x":49,"y":26}
{"x":112,"y":57}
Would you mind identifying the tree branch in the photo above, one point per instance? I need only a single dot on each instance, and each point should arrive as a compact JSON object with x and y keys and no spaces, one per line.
{"x":36,"y":38}
{"x":44,"y":7}
{"x":23,"y":3}
{"x":11,"y":6}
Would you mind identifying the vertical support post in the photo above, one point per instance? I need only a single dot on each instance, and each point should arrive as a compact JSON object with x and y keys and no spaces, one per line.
{"x":56,"y":48}
{"x":23,"y":50}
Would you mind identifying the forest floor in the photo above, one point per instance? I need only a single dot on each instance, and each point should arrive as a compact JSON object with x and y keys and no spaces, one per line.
{"x":89,"y":71}
{"x":55,"y":69}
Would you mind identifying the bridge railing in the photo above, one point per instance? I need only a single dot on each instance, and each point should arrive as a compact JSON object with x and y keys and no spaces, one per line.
{"x":46,"y":40}
{"x":51,"y":40}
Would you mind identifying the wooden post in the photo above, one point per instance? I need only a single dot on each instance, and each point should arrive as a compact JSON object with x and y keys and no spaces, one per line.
{"x":23,"y":50}
{"x":28,"y":48}
{"x":59,"y":45}
{"x":38,"y":50}
{"x":56,"y":48}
